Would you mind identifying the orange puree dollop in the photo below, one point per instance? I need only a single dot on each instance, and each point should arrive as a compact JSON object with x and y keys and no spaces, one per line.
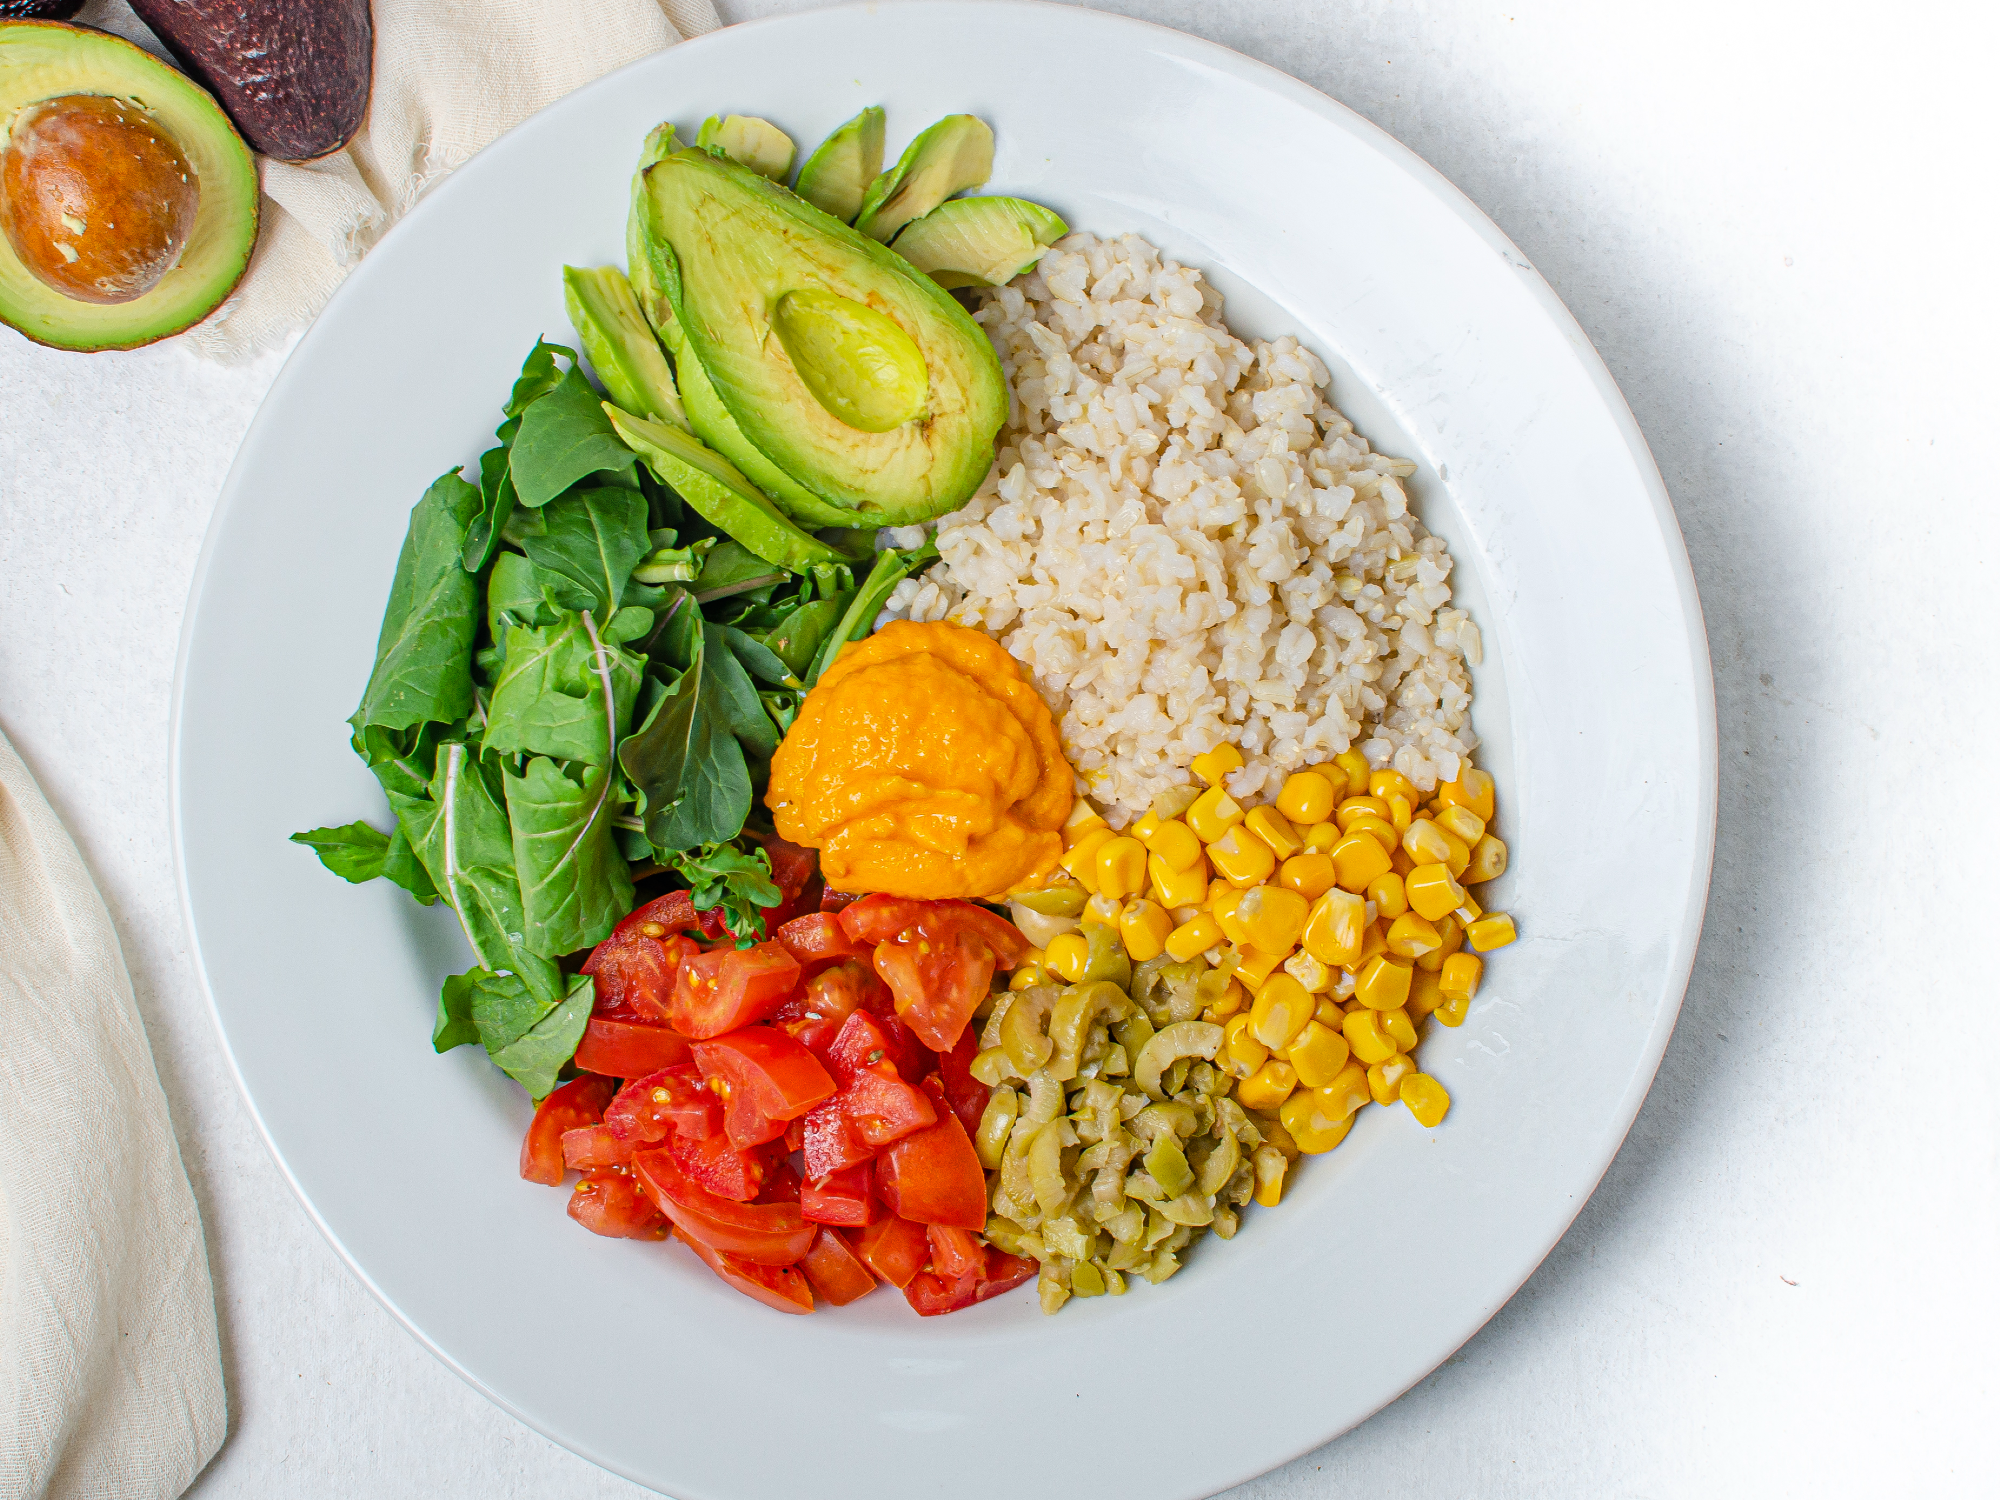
{"x":923,"y":764}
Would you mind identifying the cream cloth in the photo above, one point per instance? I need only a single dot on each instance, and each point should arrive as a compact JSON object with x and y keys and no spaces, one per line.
{"x":110,"y":1376}
{"x":450,"y":76}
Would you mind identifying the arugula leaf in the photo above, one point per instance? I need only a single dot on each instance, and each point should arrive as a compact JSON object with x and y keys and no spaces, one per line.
{"x":537,"y":378}
{"x":687,"y":765}
{"x":565,"y":437}
{"x":536,"y":1056}
{"x":575,"y":884}
{"x":460,"y":832}
{"x":423,"y":657}
{"x":758,"y":659}
{"x":550,"y":695}
{"x":795,"y":640}
{"x":737,"y":880}
{"x":355,"y":852}
{"x":513,"y":588}
{"x":587,"y":545}
{"x":403,"y":760}
{"x":529,"y":1037}
{"x":891,"y":568}
{"x":454,"y":1026}
{"x":734,"y":695}
{"x":733,"y":568}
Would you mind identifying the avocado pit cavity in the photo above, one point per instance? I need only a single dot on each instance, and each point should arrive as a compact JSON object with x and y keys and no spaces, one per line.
{"x":96,"y":197}
{"x":858,"y":364}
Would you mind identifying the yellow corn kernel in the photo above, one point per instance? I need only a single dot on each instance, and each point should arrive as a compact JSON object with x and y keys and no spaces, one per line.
{"x":1432,"y":891}
{"x":1398,"y":1027}
{"x":1082,"y":821}
{"x":1471,"y":911}
{"x":1103,"y":911}
{"x":1145,"y":828}
{"x":1374,"y":943}
{"x":1343,"y":987}
{"x":1472,"y":790}
{"x":1241,"y":859}
{"x":1360,"y":807}
{"x":1410,"y":936}
{"x":1213,"y":814}
{"x":1269,"y":1164}
{"x":1365,"y":1036}
{"x":1224,"y":900}
{"x":1272,"y":918}
{"x":1383,"y":983}
{"x":1494,"y":930}
{"x":1227,"y":1002}
{"x":1452,"y":1012}
{"x":1121,"y":867}
{"x":1459,"y":978}
{"x":1386,"y":891}
{"x":1401,"y":863}
{"x":1193,"y":938}
{"x":1458,"y":856}
{"x":1426,"y":995}
{"x":1384,"y":833}
{"x":1318,"y":1053}
{"x":1358,"y":859}
{"x":1253,"y":965}
{"x":1334,"y":929}
{"x":1027,"y":975}
{"x":1311,"y":875}
{"x":1385,"y":1079}
{"x":1451,"y":938}
{"x":1081,"y":860}
{"x":1328,"y":1012}
{"x":1067,"y":956}
{"x":1347,"y":1093}
{"x":1387,"y":783}
{"x":1268,"y":1087}
{"x":1426,"y":843}
{"x":1488,"y":862}
{"x":1173,"y":887}
{"x":1400,"y":814}
{"x":1217,"y":764}
{"x":1355,"y":764}
{"x":1308,"y":1124}
{"x":1144,"y":928}
{"x":1462,"y":823}
{"x":1241,"y":1053}
{"x":1281,"y":1011}
{"x":1426,"y":1098}
{"x":1322,"y":836}
{"x":1173,"y":843}
{"x":1310,"y":972}
{"x":1277,"y":834}
{"x":1306,"y":798}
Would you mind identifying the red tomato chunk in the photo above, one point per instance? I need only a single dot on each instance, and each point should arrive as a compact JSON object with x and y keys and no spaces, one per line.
{"x":612,"y":1204}
{"x":934,"y":1176}
{"x":780,"y":1288}
{"x":771,"y":1234}
{"x":725,"y":988}
{"x":672,"y":1099}
{"x":835,"y":1271}
{"x":844,"y":1197}
{"x":932,"y":1295}
{"x":894,"y":1249}
{"x":765,"y":1078}
{"x":635,"y":968}
{"x":628,"y":1049}
{"x":719,"y":1166}
{"x":577,"y":1103}
{"x":591,"y":1146}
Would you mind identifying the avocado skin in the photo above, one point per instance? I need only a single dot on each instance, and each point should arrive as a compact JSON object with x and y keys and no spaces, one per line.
{"x":43,"y":59}
{"x":293,"y":74}
{"x":912,"y":473}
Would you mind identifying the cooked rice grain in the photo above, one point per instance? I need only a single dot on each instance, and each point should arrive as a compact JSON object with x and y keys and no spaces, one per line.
{"x":1184,"y":543}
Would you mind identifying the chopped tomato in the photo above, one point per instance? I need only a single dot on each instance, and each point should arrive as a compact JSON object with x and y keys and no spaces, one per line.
{"x":844,"y":1197}
{"x":590,"y":1146}
{"x":577,"y":1103}
{"x":719,"y":1166}
{"x":965,"y":1094}
{"x":832,"y":900}
{"x":766,"y":1079}
{"x":795,"y":1134}
{"x":882,"y":919}
{"x":813,"y":1035}
{"x":634,"y":968}
{"x":780,"y":1288}
{"x":793,"y":868}
{"x":858,"y":1044}
{"x":817,"y":939}
{"x":671,"y":1099}
{"x":771,"y":1234}
{"x":727,"y":988}
{"x":835,"y":1270}
{"x":781,"y":1183}
{"x":931,"y":1294}
{"x":629,"y":1049}
{"x":882,"y":1107}
{"x":894,"y":1249}
{"x":612,"y":1204}
{"x":934,"y":1176}
{"x":956,"y":1254}
{"x":937,"y":985}
{"x":831,"y":1142}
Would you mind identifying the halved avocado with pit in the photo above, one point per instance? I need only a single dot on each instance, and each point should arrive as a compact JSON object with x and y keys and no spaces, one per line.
{"x":730,"y":246}
{"x":93,"y":129}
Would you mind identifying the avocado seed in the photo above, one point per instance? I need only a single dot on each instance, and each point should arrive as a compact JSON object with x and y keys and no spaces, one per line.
{"x":96,"y":198}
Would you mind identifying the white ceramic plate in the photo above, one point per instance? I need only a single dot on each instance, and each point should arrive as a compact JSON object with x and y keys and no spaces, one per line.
{"x":1595,"y":704}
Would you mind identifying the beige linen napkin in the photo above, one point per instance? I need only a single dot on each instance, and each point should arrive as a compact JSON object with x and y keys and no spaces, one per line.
{"x":110,"y":1377}
{"x":450,"y":76}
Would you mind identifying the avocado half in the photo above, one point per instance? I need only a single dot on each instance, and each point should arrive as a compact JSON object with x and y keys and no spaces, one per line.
{"x":47,"y":60}
{"x":731,"y":246}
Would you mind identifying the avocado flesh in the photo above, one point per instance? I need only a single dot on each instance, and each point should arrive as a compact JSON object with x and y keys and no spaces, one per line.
{"x":727,"y":245}
{"x":46,"y":60}
{"x":979,"y":241}
{"x":953,"y":155}
{"x":620,"y":344}
{"x":757,"y":144}
{"x":835,"y":178}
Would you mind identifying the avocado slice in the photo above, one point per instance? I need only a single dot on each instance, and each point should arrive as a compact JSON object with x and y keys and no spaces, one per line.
{"x":715,"y":488}
{"x":45,"y":61}
{"x":620,"y":343}
{"x":835,"y":177}
{"x":727,"y":245}
{"x":758,"y":144}
{"x":979,"y":241}
{"x":953,"y":155}
{"x":293,"y":77}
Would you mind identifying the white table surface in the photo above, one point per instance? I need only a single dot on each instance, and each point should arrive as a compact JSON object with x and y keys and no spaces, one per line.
{"x":1776,"y":222}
